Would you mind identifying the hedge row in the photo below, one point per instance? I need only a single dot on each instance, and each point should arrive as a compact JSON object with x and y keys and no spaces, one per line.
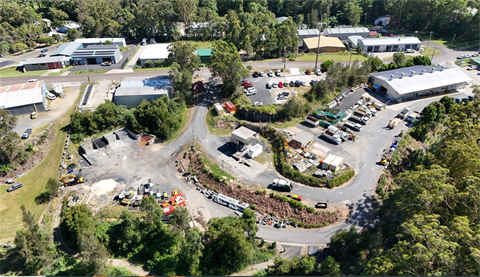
{"x":342,"y":179}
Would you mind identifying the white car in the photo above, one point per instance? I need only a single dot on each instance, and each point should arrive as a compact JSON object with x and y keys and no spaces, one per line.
{"x":32,"y":80}
{"x":468,"y":56}
{"x":257,"y":104}
{"x":251,"y":91}
{"x":410,"y":51}
{"x":270,"y":73}
{"x":318,"y":72}
{"x":278,"y":73}
{"x":474,"y":55}
{"x":274,"y":85}
{"x":471,"y":67}
{"x":461,"y":57}
{"x":260,"y":73}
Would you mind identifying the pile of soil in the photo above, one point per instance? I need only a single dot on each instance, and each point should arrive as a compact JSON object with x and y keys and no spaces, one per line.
{"x":227,"y":124}
{"x":263,"y":203}
{"x":145,"y":139}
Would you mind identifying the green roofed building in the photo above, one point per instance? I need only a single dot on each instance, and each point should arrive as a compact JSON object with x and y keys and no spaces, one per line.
{"x":204,"y":55}
{"x":476,"y":61}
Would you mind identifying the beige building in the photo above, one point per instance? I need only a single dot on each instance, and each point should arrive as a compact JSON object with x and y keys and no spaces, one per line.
{"x":327,"y":45}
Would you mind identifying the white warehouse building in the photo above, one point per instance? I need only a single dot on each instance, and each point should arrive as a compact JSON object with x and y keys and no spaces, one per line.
{"x":155,"y":52}
{"x":412,"y":82}
{"x":344,"y":33}
{"x":390,"y":44}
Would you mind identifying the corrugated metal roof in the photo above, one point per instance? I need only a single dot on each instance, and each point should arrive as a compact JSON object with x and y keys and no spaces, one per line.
{"x":422,"y":78}
{"x":243,"y":133}
{"x":351,"y":30}
{"x":100,"y":40}
{"x":281,"y":19}
{"x":21,"y":94}
{"x":312,"y":43}
{"x":303,"y":137}
{"x":130,"y":91}
{"x":155,"y":51}
{"x":308,"y":32}
{"x":390,"y":41}
{"x":66,"y":49}
{"x":45,"y":60}
{"x":101,"y":46}
{"x":205,"y":52}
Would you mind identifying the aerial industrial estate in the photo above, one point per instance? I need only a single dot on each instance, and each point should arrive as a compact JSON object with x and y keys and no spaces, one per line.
{"x":252,"y":139}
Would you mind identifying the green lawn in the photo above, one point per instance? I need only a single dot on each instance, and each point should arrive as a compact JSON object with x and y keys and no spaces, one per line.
{"x":63,"y":70}
{"x":33,"y":184}
{"x":123,"y":49}
{"x":201,"y":44}
{"x":309,"y":57}
{"x":12,"y":72}
{"x":151,"y":69}
{"x":89,"y":71}
{"x":428,"y":51}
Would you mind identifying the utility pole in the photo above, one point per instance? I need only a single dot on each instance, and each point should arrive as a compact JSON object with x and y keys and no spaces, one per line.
{"x":284,"y":57}
{"x":88,"y":75}
{"x":193,"y":136}
{"x":318,"y":46}
{"x":428,"y":45}
{"x":365,"y":20}
{"x":453,"y":40}
{"x":435,"y":48}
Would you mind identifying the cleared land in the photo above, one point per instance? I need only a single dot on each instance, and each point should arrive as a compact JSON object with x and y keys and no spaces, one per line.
{"x":12,"y":72}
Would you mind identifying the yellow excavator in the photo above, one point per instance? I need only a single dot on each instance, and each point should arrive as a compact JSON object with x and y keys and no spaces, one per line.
{"x":71,"y":180}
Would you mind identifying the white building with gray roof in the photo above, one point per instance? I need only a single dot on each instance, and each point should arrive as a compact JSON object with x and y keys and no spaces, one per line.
{"x":344,"y":33}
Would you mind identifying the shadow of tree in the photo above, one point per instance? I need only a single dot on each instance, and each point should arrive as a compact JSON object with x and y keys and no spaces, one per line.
{"x":42,"y":198}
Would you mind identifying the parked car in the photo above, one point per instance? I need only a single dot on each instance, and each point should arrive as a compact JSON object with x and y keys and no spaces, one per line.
{"x":303,"y":83}
{"x":471,"y":67}
{"x":255,"y":74}
{"x":285,"y":84}
{"x":468,"y":56}
{"x":32,"y":81}
{"x":248,"y":85}
{"x":461,"y":57}
{"x":280,"y":84}
{"x":33,"y":115}
{"x":41,"y":55}
{"x":251,"y":91}
{"x":269,"y":85}
{"x":474,"y":54}
{"x":292,"y":83}
{"x":318,"y":72}
{"x":105,"y":64}
{"x":270,"y":73}
{"x":410,"y":51}
{"x":298,"y":83}
{"x":312,"y":82}
{"x":286,"y":93}
{"x":257,"y":104}
{"x":9,"y":181}
{"x":274,"y":85}
{"x":44,"y":50}
{"x":260,"y":73}
{"x":15,"y":187}
{"x":281,"y":97}
{"x":278,"y":73}
{"x":308,"y":72}
{"x":26,"y":134}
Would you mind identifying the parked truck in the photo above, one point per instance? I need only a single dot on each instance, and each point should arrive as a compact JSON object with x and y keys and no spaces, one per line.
{"x":394,"y":123}
{"x":362,"y":120}
{"x":354,"y":126}
{"x":412,"y":116}
{"x":332,"y":137}
{"x":360,"y":113}
{"x":282,"y":184}
{"x":403,"y":114}
{"x":365,"y":111}
{"x":312,"y":120}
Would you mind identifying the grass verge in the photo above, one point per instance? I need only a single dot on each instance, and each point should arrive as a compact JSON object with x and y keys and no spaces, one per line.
{"x":186,"y":117}
{"x":63,"y":70}
{"x":212,"y":118}
{"x":201,"y":44}
{"x":151,"y":69}
{"x":89,"y":72}
{"x":10,"y":72}
{"x":33,"y":184}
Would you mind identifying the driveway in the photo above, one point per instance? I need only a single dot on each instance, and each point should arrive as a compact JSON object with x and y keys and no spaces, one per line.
{"x":58,"y":107}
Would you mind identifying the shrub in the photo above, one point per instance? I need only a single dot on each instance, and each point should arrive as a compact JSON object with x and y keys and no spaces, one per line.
{"x":342,"y":179}
{"x":148,"y":64}
{"x":311,"y":209}
{"x":158,"y":63}
{"x":253,"y":206}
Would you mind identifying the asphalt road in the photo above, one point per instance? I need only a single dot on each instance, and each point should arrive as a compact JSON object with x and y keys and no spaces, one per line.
{"x":8,"y":60}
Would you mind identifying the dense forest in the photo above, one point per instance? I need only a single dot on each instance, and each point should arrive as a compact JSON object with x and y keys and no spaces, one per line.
{"x":429,"y":217}
{"x":249,"y":25}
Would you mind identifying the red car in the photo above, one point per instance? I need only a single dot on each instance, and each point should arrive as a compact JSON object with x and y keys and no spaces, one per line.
{"x":168,"y":209}
{"x":308,"y":72}
{"x":243,"y":82}
{"x":248,"y":85}
{"x":280,"y":84}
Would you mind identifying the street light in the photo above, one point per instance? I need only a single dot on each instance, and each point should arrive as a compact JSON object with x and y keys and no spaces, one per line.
{"x":365,"y":20}
{"x":428,"y":45}
{"x":319,"y":36}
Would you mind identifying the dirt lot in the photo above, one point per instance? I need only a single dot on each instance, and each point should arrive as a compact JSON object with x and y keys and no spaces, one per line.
{"x":263,"y":203}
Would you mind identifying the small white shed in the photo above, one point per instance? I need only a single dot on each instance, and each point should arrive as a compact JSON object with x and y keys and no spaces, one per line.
{"x":328,"y":160}
{"x":219,"y":109}
{"x":335,"y":164}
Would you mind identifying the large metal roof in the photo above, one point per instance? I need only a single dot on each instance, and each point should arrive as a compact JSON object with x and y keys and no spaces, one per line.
{"x":21,"y":94}
{"x":419,"y":78}
{"x":66,"y":49}
{"x":390,"y":41}
{"x":308,"y":32}
{"x":312,"y":43}
{"x":157,"y":51}
{"x":351,"y":30}
{"x":243,"y":133}
{"x":45,"y":60}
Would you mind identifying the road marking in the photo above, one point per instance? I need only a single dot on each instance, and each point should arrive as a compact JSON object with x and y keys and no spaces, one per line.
{"x":340,"y":193}
{"x":373,"y":168}
{"x":296,"y":189}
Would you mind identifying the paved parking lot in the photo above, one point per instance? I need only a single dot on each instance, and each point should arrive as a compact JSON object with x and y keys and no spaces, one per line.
{"x":269,"y":96}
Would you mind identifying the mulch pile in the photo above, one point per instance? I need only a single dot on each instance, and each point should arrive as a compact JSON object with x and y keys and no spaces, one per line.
{"x":263,"y":203}
{"x":144,"y":140}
